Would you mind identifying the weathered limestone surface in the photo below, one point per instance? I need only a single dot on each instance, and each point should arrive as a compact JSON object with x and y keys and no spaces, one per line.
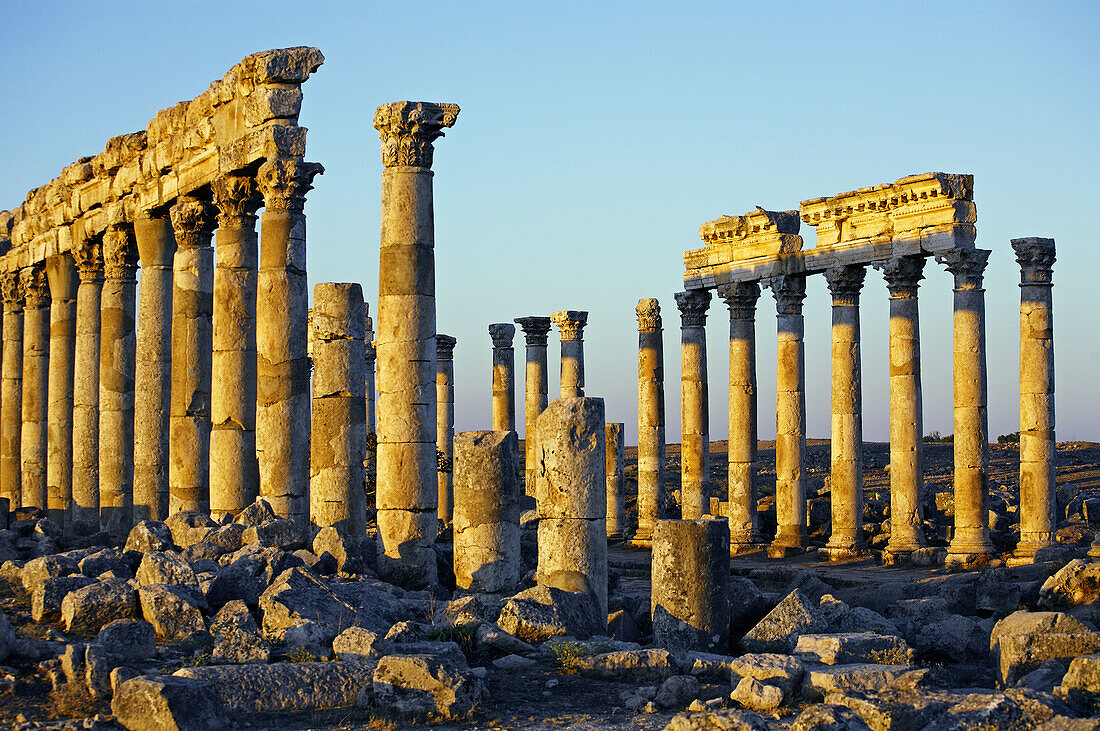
{"x":571,"y":327}
{"x":535,"y":332}
{"x":445,"y":421}
{"x":504,"y":376}
{"x":690,"y":585}
{"x":694,"y":402}
{"x":11,"y":397}
{"x":62,"y":276}
{"x":85,"y":474}
{"x":617,"y":526}
{"x":36,"y":359}
{"x":790,"y":415}
{"x":651,"y":416}
{"x":486,"y":514}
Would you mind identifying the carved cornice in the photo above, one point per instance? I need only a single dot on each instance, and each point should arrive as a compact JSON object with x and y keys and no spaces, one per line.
{"x":502,"y":333}
{"x":845,"y":282}
{"x":408,"y":130}
{"x":284,"y":182}
{"x":236,"y":197}
{"x":120,"y":256}
{"x":789,"y":290}
{"x":1036,"y":259}
{"x":89,"y":260}
{"x":36,"y":288}
{"x":444,"y":346}
{"x":11,"y":287}
{"x":693,"y":306}
{"x":902,"y":275}
{"x":570,"y":324}
{"x":192,"y":223}
{"x":535,"y":330}
{"x":649,"y":316}
{"x":967,"y":266}
{"x":741,"y":299}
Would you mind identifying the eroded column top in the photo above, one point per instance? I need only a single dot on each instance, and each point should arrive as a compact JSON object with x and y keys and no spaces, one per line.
{"x":741,"y":299}
{"x":36,"y":290}
{"x":236,"y":198}
{"x":1036,"y":259}
{"x":89,"y":260}
{"x":693,"y":306}
{"x":845,"y":281}
{"x":284,"y":182}
{"x":408,"y":130}
{"x":535,"y":329}
{"x":11,"y":287}
{"x":120,"y":257}
{"x":967,"y":266}
{"x":649,"y":315}
{"x":902,"y":275}
{"x":502,"y":334}
{"x":192,"y":222}
{"x":789,"y":290}
{"x":444,"y":346}
{"x":571,"y":324}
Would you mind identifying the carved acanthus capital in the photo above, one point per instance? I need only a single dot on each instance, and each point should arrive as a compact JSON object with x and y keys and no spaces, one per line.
{"x":535,"y":330}
{"x":11,"y":287}
{"x":408,"y":130}
{"x":284,"y":182}
{"x":789,"y":290}
{"x":444,"y":346}
{"x":902,"y":275}
{"x":570,"y":324}
{"x":967,"y":266}
{"x":649,"y":315}
{"x":89,"y":260}
{"x":192,"y":222}
{"x":36,"y":288}
{"x":236,"y":197}
{"x":120,"y":256}
{"x":845,"y":281}
{"x":693,"y":306}
{"x":502,"y":333}
{"x":1036,"y":259}
{"x":741,"y":299}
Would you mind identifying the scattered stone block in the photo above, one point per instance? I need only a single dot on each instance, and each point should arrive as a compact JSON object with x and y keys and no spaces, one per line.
{"x":360,"y":645}
{"x":778,"y":631}
{"x":282,"y":533}
{"x":1023,"y":640}
{"x":757,"y":696}
{"x":88,"y":609}
{"x":421,"y":685}
{"x":346,"y":554}
{"x":100,"y":562}
{"x":129,"y":639}
{"x":857,"y":647}
{"x":51,"y":591}
{"x":855,"y":677}
{"x":1081,"y":685}
{"x":173,"y":613}
{"x":282,"y":687}
{"x":149,"y":535}
{"x":168,"y":703}
{"x":1074,"y":584}
{"x":980,"y":711}
{"x":894,"y":709}
{"x":542,"y":612}
{"x":160,"y":567}
{"x":727,"y":720}
{"x":38,"y":570}
{"x":677,"y":691}
{"x":781,"y":670}
{"x":630,"y":666}
{"x":828,"y":717}
{"x":189,"y":526}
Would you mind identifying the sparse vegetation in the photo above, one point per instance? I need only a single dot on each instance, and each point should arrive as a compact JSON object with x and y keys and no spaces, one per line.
{"x":1013,"y":438}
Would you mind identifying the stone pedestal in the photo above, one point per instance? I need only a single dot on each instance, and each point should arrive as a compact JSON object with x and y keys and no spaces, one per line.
{"x":971,"y":441}
{"x":694,"y":402}
{"x":745,"y":535}
{"x":36,"y":364}
{"x":571,"y":327}
{"x":85,"y":507}
{"x":651,"y":418}
{"x":61,"y":273}
{"x":486,"y":511}
{"x":1038,"y":503}
{"x":11,"y":394}
{"x":571,"y":489}
{"x":790,"y":416}
{"x":535,"y":331}
{"x":846,"y":539}
{"x":690,"y":585}
{"x":338,"y":438}
{"x":504,"y":376}
{"x":617,"y":527}
{"x":445,"y":422}
{"x":407,"y":467}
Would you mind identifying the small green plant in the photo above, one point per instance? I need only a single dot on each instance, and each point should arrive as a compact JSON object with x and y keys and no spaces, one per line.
{"x":199,"y":659}
{"x":1013,"y":438}
{"x":300,"y":654}
{"x":569,"y":655}
{"x":443,"y":465}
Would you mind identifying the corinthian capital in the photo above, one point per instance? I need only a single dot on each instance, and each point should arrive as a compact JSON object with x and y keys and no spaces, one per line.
{"x":236,"y":198}
{"x":502,"y":334}
{"x":191,"y":222}
{"x":284,"y":182}
{"x":789,"y":290}
{"x":741,"y":299}
{"x":408,"y":130}
{"x":693,"y":306}
{"x":535,"y":329}
{"x":36,"y":289}
{"x":902,"y":275}
{"x":570,"y":323}
{"x":120,"y":256}
{"x":967,"y":266}
{"x":11,"y":287}
{"x":845,"y":281}
{"x":444,"y":346}
{"x":649,"y":315}
{"x":89,"y":260}
{"x":1036,"y":259}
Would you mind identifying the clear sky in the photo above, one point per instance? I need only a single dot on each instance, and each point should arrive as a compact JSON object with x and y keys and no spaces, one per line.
{"x":595,"y":138}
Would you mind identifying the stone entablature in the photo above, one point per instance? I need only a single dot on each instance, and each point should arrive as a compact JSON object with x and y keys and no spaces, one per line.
{"x":917,"y":215}
{"x":244,"y":118}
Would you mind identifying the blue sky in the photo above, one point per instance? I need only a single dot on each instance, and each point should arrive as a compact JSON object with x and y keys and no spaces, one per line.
{"x":594,"y":139}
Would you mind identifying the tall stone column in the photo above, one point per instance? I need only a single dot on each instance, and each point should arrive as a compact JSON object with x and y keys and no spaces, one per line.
{"x":846,"y":539}
{"x":487,"y":509}
{"x":36,"y":363}
{"x":535,"y":332}
{"x":192,"y":311}
{"x":616,"y":489}
{"x":571,"y":327}
{"x":445,"y":421}
{"x":11,"y":396}
{"x":407,"y":470}
{"x":116,"y":380}
{"x":971,"y":441}
{"x":903,"y":275}
{"x":156,"y":246}
{"x":282,"y":367}
{"x":690,"y":580}
{"x":1038,"y":504}
{"x":61,"y":273}
{"x":790,"y":416}
{"x":651,"y":418}
{"x":85,"y":510}
{"x":370,"y":456}
{"x":694,"y":406}
{"x":744,"y":523}
{"x":234,"y":473}
{"x":504,"y":376}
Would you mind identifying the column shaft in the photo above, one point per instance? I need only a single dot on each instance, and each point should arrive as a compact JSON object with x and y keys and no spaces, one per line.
{"x":504,"y":376}
{"x":11,"y":396}
{"x":445,"y":422}
{"x":651,"y":417}
{"x":571,"y":326}
{"x":744,"y":525}
{"x":85,"y":510}
{"x":616,"y":489}
{"x":535,"y":330}
{"x":694,"y":406}
{"x":61,"y":272}
{"x":36,"y":360}
{"x":790,"y":415}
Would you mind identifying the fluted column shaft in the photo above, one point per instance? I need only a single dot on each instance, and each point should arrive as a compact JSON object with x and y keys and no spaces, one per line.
{"x":445,"y":422}
{"x":85,"y":507}
{"x":535,"y":331}
{"x":36,"y":360}
{"x":694,"y":402}
{"x":571,"y":327}
{"x":11,"y":395}
{"x":651,"y":417}
{"x":790,"y":414}
{"x":61,"y":272}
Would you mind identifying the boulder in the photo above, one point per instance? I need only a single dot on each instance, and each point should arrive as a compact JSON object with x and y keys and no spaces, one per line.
{"x":165,"y":567}
{"x":727,"y":720}
{"x":108,"y":559}
{"x":980,"y":711}
{"x":827,"y":717}
{"x":173,"y":612}
{"x":859,"y":647}
{"x":38,"y":570}
{"x":780,"y":670}
{"x":1038,"y":706}
{"x":1081,"y":685}
{"x":894,"y":709}
{"x":677,"y":691}
{"x":282,"y":687}
{"x":855,"y":677}
{"x":237,"y":638}
{"x":255,"y":514}
{"x":423,"y":684}
{"x":167,"y":703}
{"x":149,"y":535}
{"x":1043,"y":678}
{"x":629,"y":666}
{"x":778,"y":631}
{"x":1022,"y":641}
{"x":747,"y":604}
{"x":1074,"y":584}
{"x":88,"y":609}
{"x":227,"y":537}
{"x":331,"y":543}
{"x":129,"y":639}
{"x":204,"y":552}
{"x":51,"y":592}
{"x":282,"y":533}
{"x":542,"y":612}
{"x":189,"y":526}
{"x":707,"y":665}
{"x":470,"y":611}
{"x":757,"y":696}
{"x":360,"y":645}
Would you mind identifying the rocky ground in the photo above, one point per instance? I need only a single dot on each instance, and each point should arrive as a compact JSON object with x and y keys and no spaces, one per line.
{"x":252,"y":624}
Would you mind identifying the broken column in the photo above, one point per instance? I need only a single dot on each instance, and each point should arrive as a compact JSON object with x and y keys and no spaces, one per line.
{"x":61,"y":273}
{"x":789,"y":291}
{"x":486,"y":511}
{"x":744,"y":524}
{"x":1038,"y":504}
{"x":407,"y":467}
{"x":570,"y":493}
{"x":846,"y":497}
{"x":338,"y":437}
{"x":694,"y":397}
{"x":616,"y":489}
{"x":504,"y":376}
{"x":445,"y":421}
{"x":85,"y":507}
{"x":535,"y":331}
{"x":651,"y":417}
{"x":11,"y":398}
{"x":571,"y":327}
{"x":971,"y":440}
{"x":36,"y":363}
{"x":690,"y":580}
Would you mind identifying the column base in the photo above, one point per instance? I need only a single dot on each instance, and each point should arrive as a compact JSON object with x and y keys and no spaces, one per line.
{"x":1032,"y":542}
{"x":743,"y":549}
{"x":968,"y":555}
{"x":844,"y":552}
{"x":906,"y":541}
{"x":924,"y":557}
{"x":642,"y":538}
{"x":790,"y":540}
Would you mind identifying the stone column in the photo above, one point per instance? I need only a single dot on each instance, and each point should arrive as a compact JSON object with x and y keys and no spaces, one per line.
{"x":790,"y":416}
{"x":571,"y":487}
{"x":535,"y":331}
{"x":11,"y":396}
{"x":153,"y":373}
{"x":616,"y":491}
{"x":971,"y":441}
{"x":372,"y":437}
{"x":282,"y":367}
{"x":338,"y":438}
{"x":1038,"y":504}
{"x":903,"y":275}
{"x":36,"y":363}
{"x":571,"y":326}
{"x":445,"y":422}
{"x":192,"y":310}
{"x":651,"y":418}
{"x":234,"y":473}
{"x":694,"y":402}
{"x":85,"y":510}
{"x":487,"y":509}
{"x":61,"y":273}
{"x":690,"y":580}
{"x":408,"y":485}
{"x":846,"y":498}
{"x":504,"y":376}
{"x":744,"y":523}
{"x":116,"y":381}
